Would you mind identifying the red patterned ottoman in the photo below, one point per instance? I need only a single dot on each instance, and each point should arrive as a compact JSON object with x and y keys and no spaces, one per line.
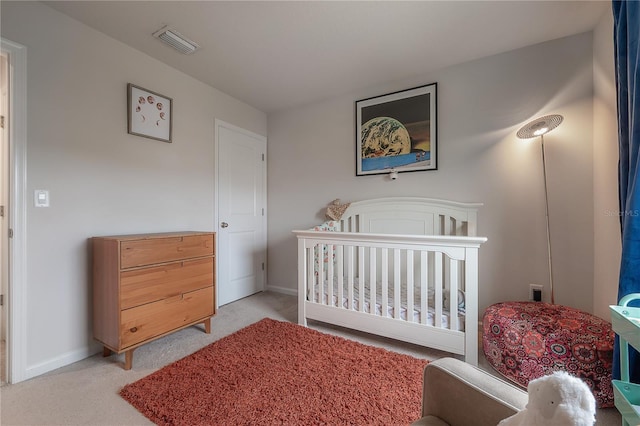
{"x":527,"y":340}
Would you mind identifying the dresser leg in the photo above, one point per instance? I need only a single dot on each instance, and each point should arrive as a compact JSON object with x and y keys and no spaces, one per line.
{"x":207,"y":326}
{"x":128,"y":359}
{"x":106,"y":351}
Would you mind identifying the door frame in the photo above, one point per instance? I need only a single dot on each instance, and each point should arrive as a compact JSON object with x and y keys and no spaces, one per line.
{"x":17,"y":212}
{"x":218,"y":124}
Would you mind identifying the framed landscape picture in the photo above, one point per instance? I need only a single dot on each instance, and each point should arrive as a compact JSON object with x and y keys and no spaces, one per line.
{"x":149,"y":113}
{"x":397,"y":131}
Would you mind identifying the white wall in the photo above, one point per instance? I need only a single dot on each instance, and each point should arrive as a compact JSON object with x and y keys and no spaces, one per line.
{"x":481,"y":105}
{"x":607,"y":245}
{"x":102,"y":180}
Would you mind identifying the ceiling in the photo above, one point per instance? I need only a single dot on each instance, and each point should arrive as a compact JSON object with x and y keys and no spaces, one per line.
{"x":276,"y":55}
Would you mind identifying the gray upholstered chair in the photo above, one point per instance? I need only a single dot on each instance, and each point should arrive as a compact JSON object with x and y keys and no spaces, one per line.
{"x":459,"y":394}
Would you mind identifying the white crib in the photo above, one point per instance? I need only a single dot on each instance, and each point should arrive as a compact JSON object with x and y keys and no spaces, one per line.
{"x":395,"y":268}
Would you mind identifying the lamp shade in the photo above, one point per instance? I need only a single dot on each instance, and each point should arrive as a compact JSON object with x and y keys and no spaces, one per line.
{"x":539,"y":126}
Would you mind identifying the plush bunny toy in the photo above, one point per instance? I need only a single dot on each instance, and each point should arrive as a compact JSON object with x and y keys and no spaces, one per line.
{"x":557,"y":399}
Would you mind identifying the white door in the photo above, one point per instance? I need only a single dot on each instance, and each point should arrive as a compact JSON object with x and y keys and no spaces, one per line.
{"x":15,"y":249}
{"x":242,"y":243}
{"x":4,"y":184}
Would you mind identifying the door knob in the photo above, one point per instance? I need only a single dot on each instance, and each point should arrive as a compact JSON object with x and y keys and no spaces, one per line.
{"x":224,"y":225}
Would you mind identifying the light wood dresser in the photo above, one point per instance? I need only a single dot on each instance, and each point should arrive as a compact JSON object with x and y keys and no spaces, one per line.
{"x":147,"y":286}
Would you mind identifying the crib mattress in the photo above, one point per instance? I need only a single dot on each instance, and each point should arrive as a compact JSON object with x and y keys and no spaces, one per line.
{"x":390,"y":309}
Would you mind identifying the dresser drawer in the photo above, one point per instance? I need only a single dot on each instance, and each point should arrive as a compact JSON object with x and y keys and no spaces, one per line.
{"x":158,"y":250}
{"x":145,"y":285}
{"x":153,"y":319}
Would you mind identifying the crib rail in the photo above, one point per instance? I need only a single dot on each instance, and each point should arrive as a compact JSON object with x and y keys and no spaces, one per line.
{"x":400,"y":286}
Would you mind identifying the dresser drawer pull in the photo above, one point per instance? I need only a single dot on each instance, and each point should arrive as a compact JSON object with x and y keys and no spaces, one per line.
{"x":133,"y":329}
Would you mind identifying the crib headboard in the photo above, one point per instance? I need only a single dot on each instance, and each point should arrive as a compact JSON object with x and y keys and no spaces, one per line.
{"x":411,"y":215}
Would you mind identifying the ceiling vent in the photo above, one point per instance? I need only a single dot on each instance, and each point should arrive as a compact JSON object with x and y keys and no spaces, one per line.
{"x":176,"y":40}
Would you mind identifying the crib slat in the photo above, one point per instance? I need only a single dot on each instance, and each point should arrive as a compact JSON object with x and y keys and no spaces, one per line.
{"x":303,"y":282}
{"x":438,"y":288}
{"x":311,"y":279}
{"x":431,"y":278}
{"x":461,"y":275}
{"x":372,"y":280}
{"x":385,"y":282}
{"x":424,"y":287}
{"x":321,"y":291}
{"x":453,"y":294}
{"x":446,"y":274}
{"x":410,"y":285}
{"x":340,"y":266}
{"x":350,"y":277}
{"x":361,"y":298}
{"x":396,"y":283}
{"x":330,"y":275}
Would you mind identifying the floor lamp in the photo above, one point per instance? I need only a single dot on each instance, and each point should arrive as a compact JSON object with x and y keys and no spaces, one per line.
{"x":539,"y":351}
{"x":540,"y":127}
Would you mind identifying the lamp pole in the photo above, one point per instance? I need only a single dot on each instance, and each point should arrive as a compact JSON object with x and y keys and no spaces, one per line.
{"x":546,"y":209}
{"x":540,"y":127}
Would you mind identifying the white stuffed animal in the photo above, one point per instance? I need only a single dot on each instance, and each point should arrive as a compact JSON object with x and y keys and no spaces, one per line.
{"x":557,"y":399}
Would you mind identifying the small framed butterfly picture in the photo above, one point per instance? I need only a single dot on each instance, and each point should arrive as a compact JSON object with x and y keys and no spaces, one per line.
{"x":150,"y":114}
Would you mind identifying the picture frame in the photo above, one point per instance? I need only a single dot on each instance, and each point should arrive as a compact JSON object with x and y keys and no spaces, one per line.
{"x":397,"y":132}
{"x":149,"y":114}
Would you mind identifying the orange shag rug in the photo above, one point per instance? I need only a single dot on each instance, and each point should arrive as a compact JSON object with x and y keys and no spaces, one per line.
{"x":274,"y":372}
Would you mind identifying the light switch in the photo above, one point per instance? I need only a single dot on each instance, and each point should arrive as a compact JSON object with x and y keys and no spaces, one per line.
{"x":41,"y":198}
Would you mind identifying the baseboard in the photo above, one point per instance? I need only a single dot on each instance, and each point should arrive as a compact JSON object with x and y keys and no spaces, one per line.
{"x":60,"y":361}
{"x":283,"y":290}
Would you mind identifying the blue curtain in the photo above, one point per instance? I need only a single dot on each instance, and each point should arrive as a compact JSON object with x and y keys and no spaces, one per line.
{"x":626,"y":16}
